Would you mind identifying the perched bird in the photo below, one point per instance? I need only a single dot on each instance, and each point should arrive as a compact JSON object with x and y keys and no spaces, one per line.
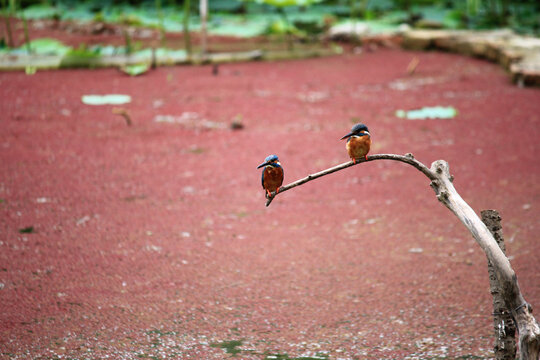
{"x":358,"y":142}
{"x":272,"y":174}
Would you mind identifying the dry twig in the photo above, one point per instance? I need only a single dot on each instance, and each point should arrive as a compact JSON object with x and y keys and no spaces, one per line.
{"x":124,"y":113}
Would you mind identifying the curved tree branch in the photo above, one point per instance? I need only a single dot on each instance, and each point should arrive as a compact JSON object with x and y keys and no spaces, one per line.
{"x":407,"y":158}
{"x":441,"y":182}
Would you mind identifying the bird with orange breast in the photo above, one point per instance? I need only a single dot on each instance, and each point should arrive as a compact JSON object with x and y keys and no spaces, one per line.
{"x":358,"y":142}
{"x":272,"y":174}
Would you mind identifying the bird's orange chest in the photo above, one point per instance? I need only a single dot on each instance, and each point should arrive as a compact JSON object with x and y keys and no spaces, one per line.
{"x":273,"y":178}
{"x":358,"y":146}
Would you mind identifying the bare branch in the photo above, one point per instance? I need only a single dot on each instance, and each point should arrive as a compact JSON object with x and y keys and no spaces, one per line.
{"x":407,"y":158}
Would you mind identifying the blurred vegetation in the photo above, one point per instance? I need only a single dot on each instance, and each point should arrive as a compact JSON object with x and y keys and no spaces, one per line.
{"x":298,"y":17}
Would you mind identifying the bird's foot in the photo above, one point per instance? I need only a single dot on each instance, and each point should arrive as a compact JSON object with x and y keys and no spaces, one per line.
{"x":365,"y":156}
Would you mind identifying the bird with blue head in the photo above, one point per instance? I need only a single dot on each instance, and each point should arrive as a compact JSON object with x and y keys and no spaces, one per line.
{"x":272,"y":175}
{"x":358,"y":142}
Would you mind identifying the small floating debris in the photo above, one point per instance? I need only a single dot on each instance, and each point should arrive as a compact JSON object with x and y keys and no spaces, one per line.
{"x":110,"y":99}
{"x":413,"y":64}
{"x":230,"y":347}
{"x":436,"y":112}
{"x":136,"y":69}
{"x":124,"y":113}
{"x":190,"y":120}
{"x":27,"y":230}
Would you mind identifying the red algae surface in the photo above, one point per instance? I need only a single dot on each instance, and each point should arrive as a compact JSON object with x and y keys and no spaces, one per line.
{"x":153,"y":241}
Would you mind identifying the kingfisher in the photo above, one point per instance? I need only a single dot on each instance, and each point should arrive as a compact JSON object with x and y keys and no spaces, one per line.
{"x":358,"y":142}
{"x":272,"y":174}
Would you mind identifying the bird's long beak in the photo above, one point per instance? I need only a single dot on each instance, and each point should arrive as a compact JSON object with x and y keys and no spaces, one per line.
{"x":351,"y":134}
{"x":346,"y":136}
{"x":263,"y":164}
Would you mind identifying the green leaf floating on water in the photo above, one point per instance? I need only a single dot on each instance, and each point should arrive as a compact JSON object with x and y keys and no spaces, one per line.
{"x":135,"y":70}
{"x":41,"y":11}
{"x":110,"y":99}
{"x":436,"y":112}
{"x":30,"y":70}
{"x":47,"y":46}
{"x":283,"y":3}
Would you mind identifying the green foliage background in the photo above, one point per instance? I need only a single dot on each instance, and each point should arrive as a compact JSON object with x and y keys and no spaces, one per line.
{"x":256,"y":17}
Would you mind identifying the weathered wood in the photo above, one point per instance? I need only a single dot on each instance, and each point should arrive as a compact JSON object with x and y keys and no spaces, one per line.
{"x":441,"y":182}
{"x":503,"y":323}
{"x":529,"y":330}
{"x":203,"y":15}
{"x":520,"y":54}
{"x":21,"y":62}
